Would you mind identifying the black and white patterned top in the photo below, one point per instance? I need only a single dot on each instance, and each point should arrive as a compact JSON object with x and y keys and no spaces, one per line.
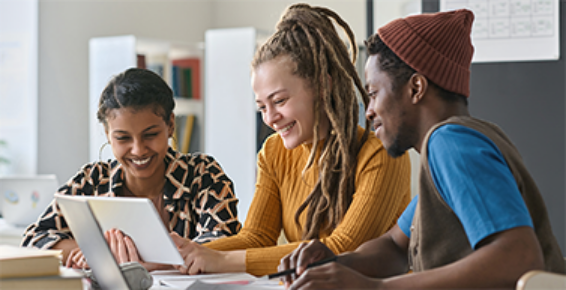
{"x":198,"y":197}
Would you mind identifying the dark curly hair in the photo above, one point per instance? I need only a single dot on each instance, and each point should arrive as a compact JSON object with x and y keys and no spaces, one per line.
{"x":136,"y":89}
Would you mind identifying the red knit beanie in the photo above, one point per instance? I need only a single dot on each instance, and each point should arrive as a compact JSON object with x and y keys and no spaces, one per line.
{"x":437,"y":45}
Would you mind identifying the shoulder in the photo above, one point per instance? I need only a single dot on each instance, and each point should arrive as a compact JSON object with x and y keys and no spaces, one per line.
{"x":192,"y":167}
{"x":95,"y":175}
{"x":273,"y":150}
{"x":456,"y":138}
{"x":96,"y":170}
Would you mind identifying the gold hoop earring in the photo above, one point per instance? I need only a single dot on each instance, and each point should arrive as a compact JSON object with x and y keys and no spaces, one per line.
{"x":100,"y":151}
{"x":174,"y":143}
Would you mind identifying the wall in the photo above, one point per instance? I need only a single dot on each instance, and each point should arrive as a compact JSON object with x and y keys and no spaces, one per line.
{"x":242,"y":13}
{"x":64,"y":30}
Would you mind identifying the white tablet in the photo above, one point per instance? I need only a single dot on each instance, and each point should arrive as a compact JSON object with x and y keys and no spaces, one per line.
{"x":136,"y":217}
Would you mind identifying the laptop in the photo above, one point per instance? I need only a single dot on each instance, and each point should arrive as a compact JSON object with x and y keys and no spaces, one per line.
{"x":90,"y":217}
{"x":24,"y":198}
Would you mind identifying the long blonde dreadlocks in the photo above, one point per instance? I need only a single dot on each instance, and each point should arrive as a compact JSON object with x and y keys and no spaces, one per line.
{"x":307,"y":35}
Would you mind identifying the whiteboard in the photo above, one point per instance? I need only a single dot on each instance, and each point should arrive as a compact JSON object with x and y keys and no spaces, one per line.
{"x":18,"y":86}
{"x":512,"y":30}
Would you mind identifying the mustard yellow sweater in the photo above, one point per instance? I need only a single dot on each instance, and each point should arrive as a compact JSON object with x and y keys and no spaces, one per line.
{"x":382,"y":193}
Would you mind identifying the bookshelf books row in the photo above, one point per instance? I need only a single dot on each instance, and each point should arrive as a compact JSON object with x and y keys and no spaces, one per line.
{"x":185,"y":76}
{"x":30,"y":268}
{"x":183,"y":135}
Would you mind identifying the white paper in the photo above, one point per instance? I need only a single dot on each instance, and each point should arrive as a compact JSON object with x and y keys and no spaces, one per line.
{"x":512,"y":30}
{"x":177,"y":280}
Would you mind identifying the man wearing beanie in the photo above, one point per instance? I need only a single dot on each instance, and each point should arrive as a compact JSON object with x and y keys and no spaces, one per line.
{"x":479,"y":220}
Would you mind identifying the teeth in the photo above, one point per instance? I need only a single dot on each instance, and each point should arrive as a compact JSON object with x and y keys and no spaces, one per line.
{"x":287,"y":128}
{"x":141,"y":162}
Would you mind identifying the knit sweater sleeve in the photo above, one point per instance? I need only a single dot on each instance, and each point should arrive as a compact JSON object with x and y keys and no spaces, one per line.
{"x":263,"y":222}
{"x":382,"y":193}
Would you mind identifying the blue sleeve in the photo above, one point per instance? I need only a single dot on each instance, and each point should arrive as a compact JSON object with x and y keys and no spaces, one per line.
{"x":406,"y":219}
{"x":474,"y":179}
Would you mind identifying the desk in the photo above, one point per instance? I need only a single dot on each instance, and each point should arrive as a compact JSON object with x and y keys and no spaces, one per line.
{"x":9,"y":234}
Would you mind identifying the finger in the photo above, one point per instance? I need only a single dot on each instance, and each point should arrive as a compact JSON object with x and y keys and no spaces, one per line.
{"x":122,"y":250}
{"x":196,"y":268}
{"x":182,"y":269}
{"x":303,"y":258}
{"x":81,"y":261}
{"x":69,"y":261}
{"x":312,"y":252}
{"x":295,"y":259}
{"x":132,"y":250}
{"x":111,"y":241}
{"x":284,"y":264}
{"x":178,"y":240}
{"x":310,"y":279}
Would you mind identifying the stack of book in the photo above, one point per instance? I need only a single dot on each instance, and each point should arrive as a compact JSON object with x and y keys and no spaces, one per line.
{"x":185,"y":78}
{"x":28,"y":268}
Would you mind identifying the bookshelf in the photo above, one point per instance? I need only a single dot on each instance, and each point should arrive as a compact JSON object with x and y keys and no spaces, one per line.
{"x":111,"y":55}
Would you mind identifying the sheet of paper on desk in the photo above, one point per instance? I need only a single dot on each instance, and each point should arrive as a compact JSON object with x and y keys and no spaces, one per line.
{"x":198,"y":285}
{"x":226,"y":281}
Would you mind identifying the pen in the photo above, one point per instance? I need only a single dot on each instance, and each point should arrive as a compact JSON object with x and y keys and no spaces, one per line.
{"x":291,"y":271}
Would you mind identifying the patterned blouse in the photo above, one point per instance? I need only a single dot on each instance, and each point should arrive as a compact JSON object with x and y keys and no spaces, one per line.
{"x":198,"y":197}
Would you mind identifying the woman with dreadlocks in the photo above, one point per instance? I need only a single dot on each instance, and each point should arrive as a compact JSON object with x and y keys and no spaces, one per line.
{"x":321,"y":176}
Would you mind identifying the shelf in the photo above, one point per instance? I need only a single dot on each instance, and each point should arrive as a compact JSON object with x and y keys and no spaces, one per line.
{"x":188,"y":107}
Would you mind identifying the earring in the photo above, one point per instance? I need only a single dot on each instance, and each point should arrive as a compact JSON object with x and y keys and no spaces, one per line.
{"x":100,"y":151}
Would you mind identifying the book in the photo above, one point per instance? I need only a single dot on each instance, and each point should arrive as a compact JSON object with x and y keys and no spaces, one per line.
{"x":66,"y":279}
{"x":190,"y":74}
{"x":140,"y":59}
{"x":189,"y":123}
{"x":26,"y":262}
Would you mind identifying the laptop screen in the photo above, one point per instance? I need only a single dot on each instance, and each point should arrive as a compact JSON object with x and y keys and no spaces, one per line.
{"x":24,"y":198}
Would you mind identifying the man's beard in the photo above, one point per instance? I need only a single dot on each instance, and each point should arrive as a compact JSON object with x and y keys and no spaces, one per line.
{"x":402,"y":141}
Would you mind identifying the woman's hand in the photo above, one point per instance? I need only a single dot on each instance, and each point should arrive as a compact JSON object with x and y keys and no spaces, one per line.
{"x":124,"y":250}
{"x":304,"y":254}
{"x":76,"y":259}
{"x":199,"y":259}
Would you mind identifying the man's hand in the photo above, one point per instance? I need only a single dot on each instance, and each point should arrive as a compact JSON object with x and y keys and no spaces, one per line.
{"x":333,"y":276}
{"x":303,"y":255}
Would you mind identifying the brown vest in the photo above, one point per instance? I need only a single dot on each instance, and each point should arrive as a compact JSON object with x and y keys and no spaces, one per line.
{"x":437,"y":236}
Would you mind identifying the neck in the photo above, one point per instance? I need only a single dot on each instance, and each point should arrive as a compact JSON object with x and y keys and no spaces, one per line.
{"x":150,"y":187}
{"x":437,"y":114}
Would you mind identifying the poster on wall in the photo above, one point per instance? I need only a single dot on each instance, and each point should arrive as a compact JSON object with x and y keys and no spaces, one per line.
{"x":18,"y":87}
{"x":512,"y":30}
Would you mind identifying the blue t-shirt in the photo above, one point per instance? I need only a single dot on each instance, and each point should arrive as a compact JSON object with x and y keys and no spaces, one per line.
{"x":474,"y":179}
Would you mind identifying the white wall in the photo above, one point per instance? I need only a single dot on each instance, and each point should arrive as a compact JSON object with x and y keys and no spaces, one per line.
{"x":64,"y":30}
{"x":264,"y":14}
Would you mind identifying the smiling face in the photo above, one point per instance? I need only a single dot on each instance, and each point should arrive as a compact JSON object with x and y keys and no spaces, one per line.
{"x":139,"y":140}
{"x":286,"y":102}
{"x":388,"y":110}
